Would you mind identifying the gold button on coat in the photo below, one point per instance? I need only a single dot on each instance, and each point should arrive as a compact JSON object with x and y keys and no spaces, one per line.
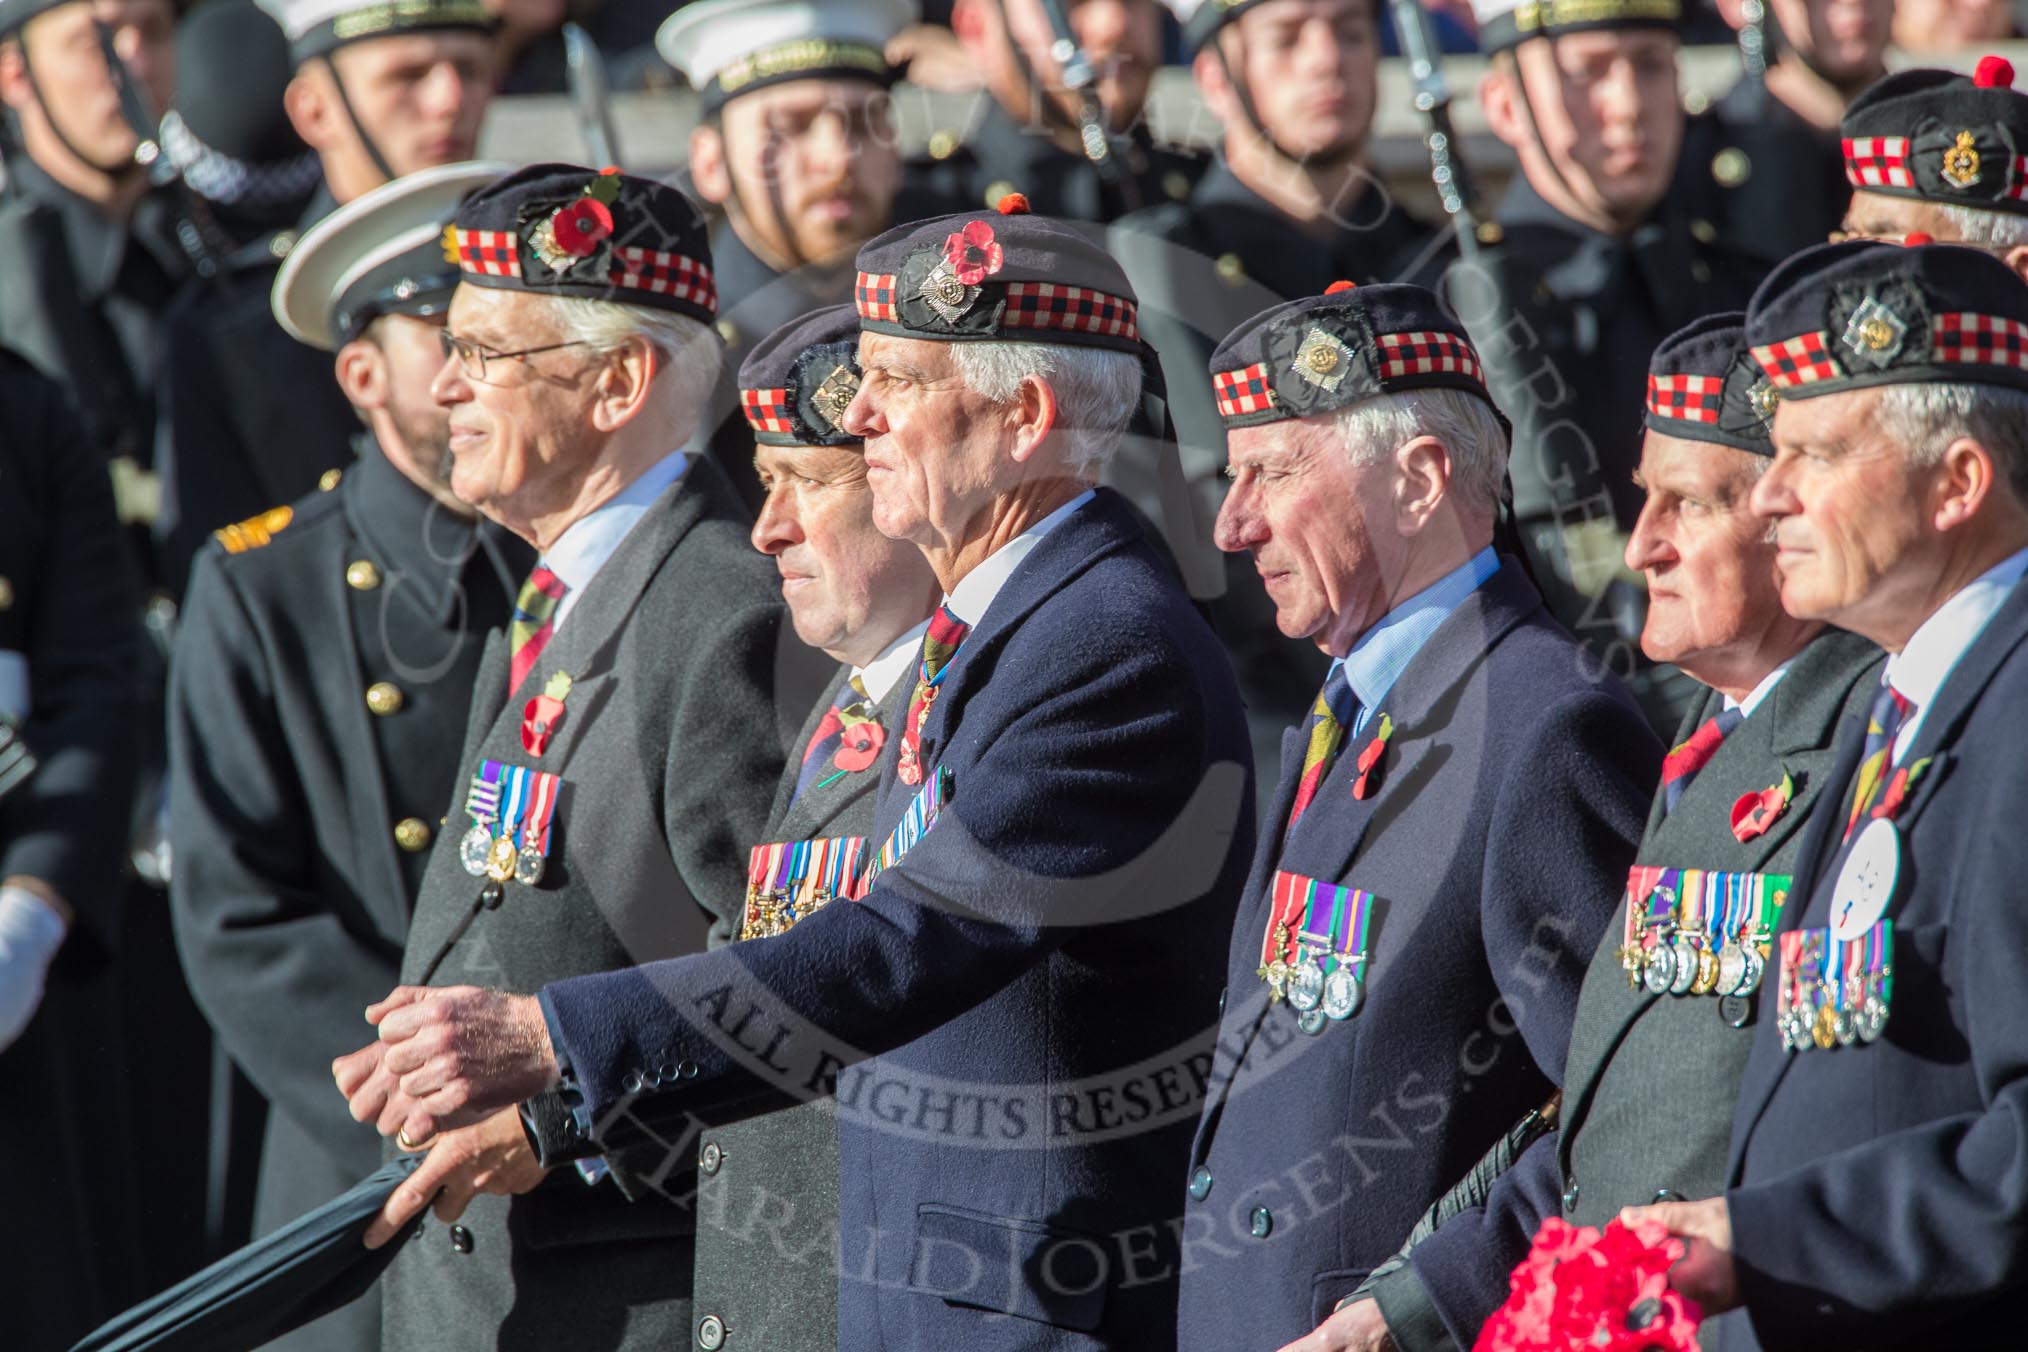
{"x":6,"y":594}
{"x":383,"y":697}
{"x":412,"y":834}
{"x":361,"y":575}
{"x":329,"y":479}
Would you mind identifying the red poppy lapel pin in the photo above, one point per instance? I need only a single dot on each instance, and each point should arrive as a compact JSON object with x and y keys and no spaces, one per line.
{"x":1369,"y":760}
{"x":544,"y":714}
{"x":1756,"y":811}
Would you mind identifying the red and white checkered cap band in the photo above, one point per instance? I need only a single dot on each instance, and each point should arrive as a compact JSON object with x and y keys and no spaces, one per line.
{"x":665,"y":274}
{"x":1686,"y":398}
{"x":2017,"y":186}
{"x":766,"y":410}
{"x":1877,"y":162}
{"x":1801,"y":360}
{"x":1421,"y":354}
{"x":1074,"y":309}
{"x":875,"y":296}
{"x":490,"y":253}
{"x":1982,"y":340}
{"x":1243,"y":391}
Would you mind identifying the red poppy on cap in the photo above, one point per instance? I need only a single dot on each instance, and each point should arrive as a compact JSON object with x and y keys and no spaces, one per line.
{"x":579,"y":227}
{"x":972,"y":253}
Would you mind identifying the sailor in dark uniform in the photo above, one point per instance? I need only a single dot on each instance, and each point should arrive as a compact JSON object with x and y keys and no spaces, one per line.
{"x":1770,"y":143}
{"x":797,"y":149}
{"x":90,"y":244}
{"x":768,"y":1187}
{"x":1288,"y":208}
{"x":1596,"y":262}
{"x":1026,"y":137}
{"x":1874,"y":1194}
{"x":252,"y":416}
{"x":323,"y":669}
{"x":1660,"y":1038}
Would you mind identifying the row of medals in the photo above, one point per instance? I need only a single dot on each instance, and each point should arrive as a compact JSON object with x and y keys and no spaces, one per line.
{"x":486,"y":855}
{"x":1337,"y":994}
{"x":1818,"y":1023}
{"x":1683,"y":963}
{"x":771,"y":915}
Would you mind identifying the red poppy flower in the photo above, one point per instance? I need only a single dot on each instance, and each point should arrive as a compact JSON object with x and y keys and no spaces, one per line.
{"x":1757,"y":810}
{"x":539,"y":721}
{"x":1604,"y":1289}
{"x":859,"y":746}
{"x":579,"y":227}
{"x":1369,"y":760}
{"x":972,"y":253}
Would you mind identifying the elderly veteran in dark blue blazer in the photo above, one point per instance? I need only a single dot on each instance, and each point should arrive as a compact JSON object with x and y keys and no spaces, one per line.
{"x":1876,"y":1192}
{"x":1665,"y":1017}
{"x":1016,"y":1014}
{"x":1453,"y":824}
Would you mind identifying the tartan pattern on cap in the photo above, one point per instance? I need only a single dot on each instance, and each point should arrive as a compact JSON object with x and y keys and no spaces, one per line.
{"x":1051,"y":305}
{"x":1981,"y":340}
{"x":1801,"y":360}
{"x":490,"y":253}
{"x":1243,"y":391}
{"x":875,"y":296}
{"x":665,"y":274}
{"x":1420,"y":354}
{"x":1686,"y":398}
{"x":767,"y":410}
{"x":1877,"y":162}
{"x":2017,"y":183}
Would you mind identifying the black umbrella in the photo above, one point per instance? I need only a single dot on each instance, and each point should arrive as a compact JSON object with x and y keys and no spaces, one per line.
{"x":280,"y":1282}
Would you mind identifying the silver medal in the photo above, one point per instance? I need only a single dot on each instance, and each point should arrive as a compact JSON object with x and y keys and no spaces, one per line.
{"x":1343,"y":993}
{"x":1872,"y":1018}
{"x":1659,"y":972}
{"x":528,"y":866}
{"x":1312,"y":1022}
{"x":1731,"y":968}
{"x":473,"y":850}
{"x":1845,"y":1028}
{"x":1756,"y":968}
{"x":1686,"y":965}
{"x":1306,"y":985}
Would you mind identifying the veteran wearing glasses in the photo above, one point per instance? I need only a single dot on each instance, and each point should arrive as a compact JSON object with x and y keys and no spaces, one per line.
{"x":624,"y":739}
{"x":1929,"y":155}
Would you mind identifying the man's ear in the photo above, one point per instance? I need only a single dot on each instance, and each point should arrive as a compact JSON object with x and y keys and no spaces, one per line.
{"x":15,"y":89}
{"x":1209,"y":73}
{"x":311,"y":109}
{"x":1035,"y":413}
{"x":1422,"y":483}
{"x":2017,"y":259}
{"x":362,"y":374}
{"x":1497,"y":96}
{"x":1967,"y":479}
{"x":708,"y":169}
{"x":623,"y":384}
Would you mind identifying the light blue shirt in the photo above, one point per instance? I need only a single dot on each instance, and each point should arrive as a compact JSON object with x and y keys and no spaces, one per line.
{"x":1384,"y":651}
{"x":1920,"y":669}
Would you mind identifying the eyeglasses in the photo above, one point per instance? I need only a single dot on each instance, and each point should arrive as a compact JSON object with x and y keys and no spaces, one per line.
{"x":472,"y":357}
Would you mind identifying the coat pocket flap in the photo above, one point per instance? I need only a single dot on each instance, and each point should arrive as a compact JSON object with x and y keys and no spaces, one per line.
{"x":1020,"y":1267}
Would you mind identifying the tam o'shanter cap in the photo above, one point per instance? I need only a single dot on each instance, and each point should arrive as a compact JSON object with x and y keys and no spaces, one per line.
{"x":319,"y":27}
{"x":1321,"y":354}
{"x":381,"y":253}
{"x":1509,"y":23}
{"x":1703,"y":385}
{"x":565,"y":230}
{"x":730,"y":47}
{"x":795,"y":385}
{"x":1004,"y":275}
{"x":1847,"y":316}
{"x":1938,"y":136}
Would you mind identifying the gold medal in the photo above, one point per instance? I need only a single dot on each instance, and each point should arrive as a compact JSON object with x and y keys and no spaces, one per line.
{"x":1824,"y":1029}
{"x":500,"y":859}
{"x":1706,"y":979}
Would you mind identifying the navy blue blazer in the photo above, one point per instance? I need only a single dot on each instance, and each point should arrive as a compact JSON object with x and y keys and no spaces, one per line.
{"x":1880,"y":1191}
{"x":1510,"y":799}
{"x":1017,"y":1019}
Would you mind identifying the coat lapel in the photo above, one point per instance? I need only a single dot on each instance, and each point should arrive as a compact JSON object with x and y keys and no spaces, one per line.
{"x":816,"y":814}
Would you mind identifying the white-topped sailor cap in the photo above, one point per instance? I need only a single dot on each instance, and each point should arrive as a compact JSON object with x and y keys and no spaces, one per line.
{"x":730,"y":47}
{"x":381,"y":253}
{"x":1509,"y":23}
{"x":318,"y":27}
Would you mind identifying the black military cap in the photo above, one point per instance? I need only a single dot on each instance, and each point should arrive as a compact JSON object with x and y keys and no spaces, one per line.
{"x":1001,"y":275}
{"x":1320,"y":354}
{"x":795,"y":386}
{"x":564,"y":230}
{"x":1703,"y":385}
{"x":1509,"y":23}
{"x":1845,"y":316}
{"x":1939,"y":136}
{"x":730,"y":47}
{"x":1211,"y":15}
{"x":320,"y":27}
{"x":381,"y":253}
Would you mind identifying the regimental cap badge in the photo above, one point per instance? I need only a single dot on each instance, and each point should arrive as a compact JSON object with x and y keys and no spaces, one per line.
{"x":1323,"y":360}
{"x":1961,"y":162}
{"x":835,"y":395}
{"x":971,"y":255}
{"x":1765,"y":399}
{"x":1874,"y":333}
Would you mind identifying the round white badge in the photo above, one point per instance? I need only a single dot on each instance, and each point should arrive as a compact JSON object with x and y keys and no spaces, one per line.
{"x":1866,"y":883}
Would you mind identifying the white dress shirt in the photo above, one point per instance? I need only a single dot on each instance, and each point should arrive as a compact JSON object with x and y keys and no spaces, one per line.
{"x":974,"y":593}
{"x":1758,"y":695}
{"x":583,"y":549}
{"x":1919,"y":670}
{"x":899,"y":658}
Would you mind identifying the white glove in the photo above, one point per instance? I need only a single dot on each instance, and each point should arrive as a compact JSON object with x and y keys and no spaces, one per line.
{"x":30,"y":933}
